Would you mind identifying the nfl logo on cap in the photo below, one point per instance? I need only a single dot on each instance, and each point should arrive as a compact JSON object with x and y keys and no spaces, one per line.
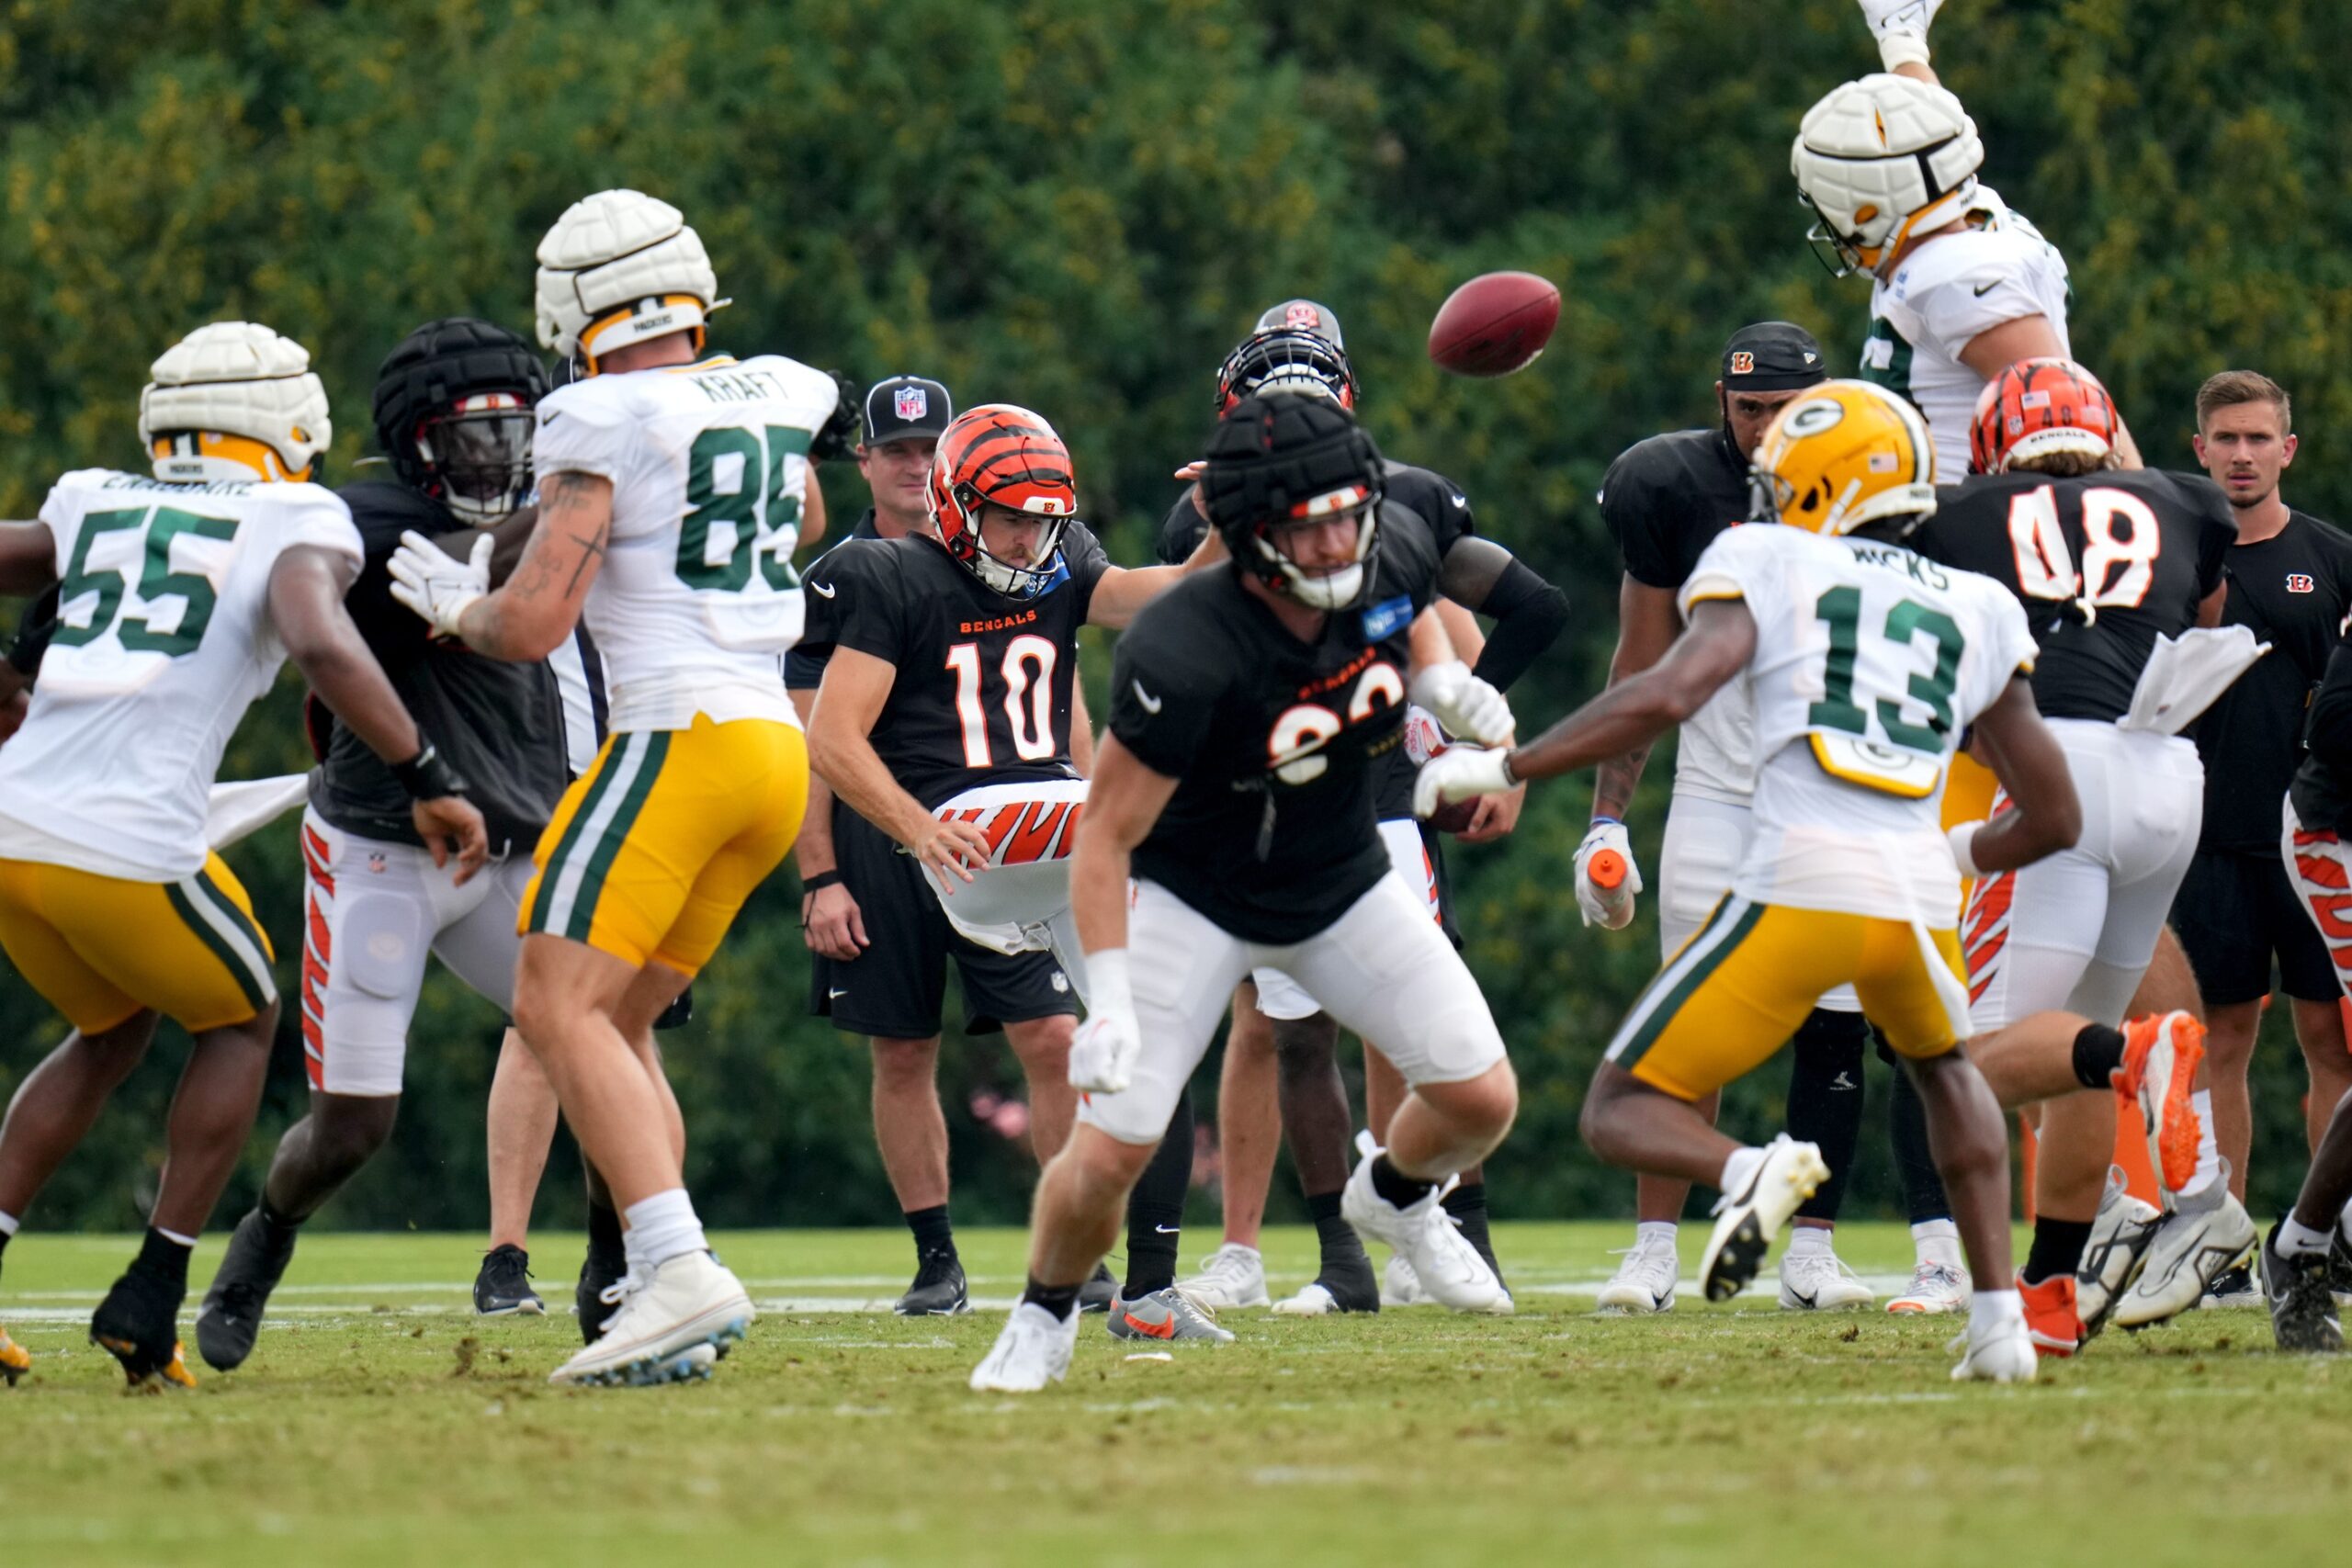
{"x":910,"y":402}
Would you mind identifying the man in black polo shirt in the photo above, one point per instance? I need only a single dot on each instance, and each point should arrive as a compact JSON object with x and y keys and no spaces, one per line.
{"x":879,"y":941}
{"x":2289,"y":579}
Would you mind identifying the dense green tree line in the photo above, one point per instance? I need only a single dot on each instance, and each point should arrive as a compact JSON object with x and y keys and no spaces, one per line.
{"x":1079,"y":207}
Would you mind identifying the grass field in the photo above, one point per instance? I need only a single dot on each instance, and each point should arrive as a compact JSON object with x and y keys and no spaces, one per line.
{"x":379,"y":1423}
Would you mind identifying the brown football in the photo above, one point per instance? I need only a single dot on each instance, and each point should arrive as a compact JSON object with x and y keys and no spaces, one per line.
{"x":1495,"y":325}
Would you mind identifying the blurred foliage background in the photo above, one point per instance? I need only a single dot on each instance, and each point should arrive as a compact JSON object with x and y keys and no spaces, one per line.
{"x":1079,"y":206}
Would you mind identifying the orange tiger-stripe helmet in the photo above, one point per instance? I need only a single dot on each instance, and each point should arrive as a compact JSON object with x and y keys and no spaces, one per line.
{"x":1005,"y":455}
{"x":2037,"y":407}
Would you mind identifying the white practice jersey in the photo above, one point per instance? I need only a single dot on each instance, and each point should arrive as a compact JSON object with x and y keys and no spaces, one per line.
{"x":1870,"y":662}
{"x":1943,"y":296}
{"x":709,"y":466}
{"x":164,"y":640}
{"x":1715,"y":759}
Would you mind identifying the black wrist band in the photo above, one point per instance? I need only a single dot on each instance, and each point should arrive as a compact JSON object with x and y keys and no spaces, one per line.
{"x":426,"y":777}
{"x":822,"y":879}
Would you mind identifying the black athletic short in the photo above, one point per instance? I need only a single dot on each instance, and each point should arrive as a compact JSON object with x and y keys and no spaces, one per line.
{"x":2233,"y":913}
{"x":897,"y":987}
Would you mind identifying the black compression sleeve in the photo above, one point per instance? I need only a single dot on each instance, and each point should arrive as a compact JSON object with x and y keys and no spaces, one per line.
{"x":1530,"y":615}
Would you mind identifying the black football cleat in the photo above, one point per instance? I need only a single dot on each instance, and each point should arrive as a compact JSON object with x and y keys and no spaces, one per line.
{"x":938,"y":1289}
{"x":231,"y":1317}
{"x":598,"y":1296}
{"x":1098,"y":1292}
{"x":138,"y":1325}
{"x":503,"y":1289}
{"x":2302,"y":1312}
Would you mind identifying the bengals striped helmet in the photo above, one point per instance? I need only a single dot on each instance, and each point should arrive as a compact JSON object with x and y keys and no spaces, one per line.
{"x":1003,"y":455}
{"x":2038,"y":408}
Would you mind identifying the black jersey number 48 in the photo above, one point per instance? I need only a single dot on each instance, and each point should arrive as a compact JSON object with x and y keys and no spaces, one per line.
{"x":2046,"y":567}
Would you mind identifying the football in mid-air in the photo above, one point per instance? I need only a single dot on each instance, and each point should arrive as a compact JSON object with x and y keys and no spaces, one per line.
{"x":1495,"y":324}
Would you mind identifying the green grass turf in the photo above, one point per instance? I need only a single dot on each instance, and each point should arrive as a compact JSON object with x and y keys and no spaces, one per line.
{"x":384,"y":1426}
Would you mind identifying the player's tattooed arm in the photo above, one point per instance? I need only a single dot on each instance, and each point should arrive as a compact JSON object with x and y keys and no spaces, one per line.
{"x":1635,"y":712}
{"x":28,"y":557}
{"x":841,"y":751}
{"x":1646,"y":627}
{"x":539,"y":604}
{"x":511,"y":535}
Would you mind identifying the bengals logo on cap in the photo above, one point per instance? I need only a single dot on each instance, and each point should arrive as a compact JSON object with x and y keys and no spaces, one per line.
{"x":1743,"y":363}
{"x":2300,"y":582}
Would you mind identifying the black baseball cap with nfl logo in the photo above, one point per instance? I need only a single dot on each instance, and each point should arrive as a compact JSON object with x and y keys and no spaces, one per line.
{"x":904,"y":407}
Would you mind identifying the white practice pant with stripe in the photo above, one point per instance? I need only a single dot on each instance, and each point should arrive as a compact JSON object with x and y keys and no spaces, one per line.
{"x":1384,"y":969}
{"x":376,"y":910}
{"x":2077,"y":931}
{"x":1280,"y":996}
{"x":1705,"y":840}
{"x":2321,"y":864}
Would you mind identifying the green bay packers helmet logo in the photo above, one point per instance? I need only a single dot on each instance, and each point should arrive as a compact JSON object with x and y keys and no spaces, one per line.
{"x":1815,"y":417}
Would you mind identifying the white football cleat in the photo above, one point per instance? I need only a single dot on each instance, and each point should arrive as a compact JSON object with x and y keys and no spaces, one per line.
{"x":1448,"y":1267}
{"x":1032,"y":1351}
{"x":1750,"y":1218}
{"x":1820,"y":1282}
{"x":2193,"y":1245}
{"x":1399,"y":1286}
{"x":692,"y":1299}
{"x":2005,"y":1354}
{"x":2113,"y":1258}
{"x":1644,"y":1282}
{"x":1234,"y":1276}
{"x":1935,"y":1288}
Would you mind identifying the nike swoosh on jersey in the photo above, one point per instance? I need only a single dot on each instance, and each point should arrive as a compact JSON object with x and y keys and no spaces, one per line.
{"x":1987,"y":287}
{"x":820,"y":589}
{"x":833,"y":996}
{"x":1150,"y":704}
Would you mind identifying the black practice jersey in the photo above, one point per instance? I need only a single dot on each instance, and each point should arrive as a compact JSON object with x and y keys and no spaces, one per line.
{"x":2323,"y":786}
{"x":804,"y":666}
{"x":1277,"y":743}
{"x":499,"y":725}
{"x":2103,"y":565}
{"x":1431,"y":496}
{"x":983,"y":688}
{"x":2292,"y":590}
{"x":1667,"y":498}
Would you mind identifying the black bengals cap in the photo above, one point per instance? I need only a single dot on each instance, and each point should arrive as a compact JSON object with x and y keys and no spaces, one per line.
{"x":904,"y":407}
{"x":1772,"y":356}
{"x":1303,"y":316}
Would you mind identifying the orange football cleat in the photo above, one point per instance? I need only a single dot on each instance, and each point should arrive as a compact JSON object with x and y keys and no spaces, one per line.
{"x":2050,"y":1315}
{"x":2160,"y":1058}
{"x":15,"y":1360}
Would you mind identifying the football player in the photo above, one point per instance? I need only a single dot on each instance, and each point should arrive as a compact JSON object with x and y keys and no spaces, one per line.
{"x":943,"y":717}
{"x":1251,"y":707}
{"x":2110,"y":565}
{"x":453,"y":407}
{"x":674,"y":489}
{"x":1665,"y":500}
{"x":179,"y":596}
{"x":2291,"y":584}
{"x":1867,"y":664}
{"x":2306,"y":1260}
{"x":1280,"y":1074}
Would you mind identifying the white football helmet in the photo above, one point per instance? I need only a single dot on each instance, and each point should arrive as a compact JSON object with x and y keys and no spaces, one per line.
{"x":224,"y":388}
{"x":1880,"y":160}
{"x":619,"y":267}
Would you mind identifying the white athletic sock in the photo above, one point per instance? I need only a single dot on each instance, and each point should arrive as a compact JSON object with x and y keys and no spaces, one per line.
{"x":663,"y":1227}
{"x":8,"y":1223}
{"x":1808,"y":1241}
{"x":2295,"y":1236}
{"x":2208,"y":1152}
{"x":1989,"y":1310}
{"x":1650,"y":1231}
{"x":1937,"y":1242}
{"x":1739,"y":1169}
{"x":2343,"y":1221}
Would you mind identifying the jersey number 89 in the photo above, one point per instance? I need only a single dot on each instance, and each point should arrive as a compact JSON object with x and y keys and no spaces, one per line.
{"x":762,"y":507}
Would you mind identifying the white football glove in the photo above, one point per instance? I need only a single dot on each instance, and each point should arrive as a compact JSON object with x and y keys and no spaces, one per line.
{"x":1901,"y":28}
{"x":436,"y":584}
{"x":1102,"y":1053}
{"x":1612,"y":910}
{"x":1466,"y":705}
{"x":1459,"y":772}
{"x":1960,"y":836}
